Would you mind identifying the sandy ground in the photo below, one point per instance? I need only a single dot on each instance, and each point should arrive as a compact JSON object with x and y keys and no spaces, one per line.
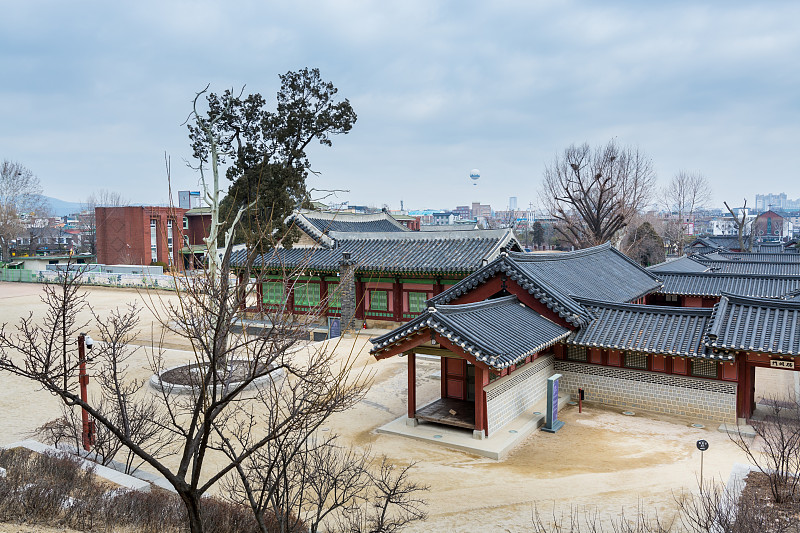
{"x":600,"y":458}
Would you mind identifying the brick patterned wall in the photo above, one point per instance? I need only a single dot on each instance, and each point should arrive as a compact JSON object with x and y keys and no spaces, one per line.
{"x":347,"y":294}
{"x":705,"y":399}
{"x":509,"y":396}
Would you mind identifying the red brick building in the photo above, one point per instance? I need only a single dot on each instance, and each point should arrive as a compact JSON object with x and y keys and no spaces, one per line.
{"x":141,"y":235}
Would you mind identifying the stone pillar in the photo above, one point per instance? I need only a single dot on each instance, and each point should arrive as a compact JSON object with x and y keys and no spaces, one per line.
{"x":347,"y":288}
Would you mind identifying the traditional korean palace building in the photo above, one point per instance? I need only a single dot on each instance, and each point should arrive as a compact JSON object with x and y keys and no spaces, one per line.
{"x":588,"y":315}
{"x":368,"y":269}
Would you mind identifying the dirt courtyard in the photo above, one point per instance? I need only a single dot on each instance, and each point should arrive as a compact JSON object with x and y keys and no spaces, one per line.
{"x":600,"y":458}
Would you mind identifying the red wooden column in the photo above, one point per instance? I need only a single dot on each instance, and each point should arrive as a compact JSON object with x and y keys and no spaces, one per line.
{"x":412,"y":385}
{"x":240,"y":284}
{"x":260,"y":295}
{"x":481,"y":380}
{"x":397,"y":304}
{"x":744,"y":376}
{"x":323,"y":297}
{"x":360,"y":303}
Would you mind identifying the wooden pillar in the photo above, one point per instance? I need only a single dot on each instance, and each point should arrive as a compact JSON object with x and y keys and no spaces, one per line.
{"x":360,"y":303}
{"x":438,"y":288}
{"x":744,"y":388}
{"x":443,"y":379}
{"x":260,"y":295}
{"x":323,"y":297}
{"x":412,"y":385}
{"x":397,"y":295}
{"x":481,"y":380}
{"x":240,"y":285}
{"x":290,"y":298}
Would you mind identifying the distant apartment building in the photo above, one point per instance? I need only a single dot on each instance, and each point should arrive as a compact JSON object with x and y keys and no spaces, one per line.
{"x":141,"y":235}
{"x":443,"y":218}
{"x":512,"y":203}
{"x":481,"y":211}
{"x":463,"y":211}
{"x":189,"y":200}
{"x":775,"y":202}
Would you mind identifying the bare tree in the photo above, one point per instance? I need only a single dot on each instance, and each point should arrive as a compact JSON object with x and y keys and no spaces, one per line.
{"x":20,"y":195}
{"x":248,"y":393}
{"x":684,"y":195}
{"x":722,"y":509}
{"x":595,"y":193}
{"x":779,"y":455}
{"x":743,"y":227}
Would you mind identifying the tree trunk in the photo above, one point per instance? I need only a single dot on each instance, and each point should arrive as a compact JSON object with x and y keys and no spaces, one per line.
{"x":192,"y":503}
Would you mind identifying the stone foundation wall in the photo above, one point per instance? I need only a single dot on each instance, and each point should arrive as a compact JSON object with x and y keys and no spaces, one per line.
{"x":705,"y":399}
{"x":510,"y":396}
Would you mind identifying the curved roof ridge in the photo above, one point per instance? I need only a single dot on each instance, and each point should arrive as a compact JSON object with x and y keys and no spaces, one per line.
{"x":729,"y":275}
{"x":420,"y":235}
{"x":347,"y":217}
{"x":557,"y":256}
{"x":760,"y":301}
{"x":640,"y":308}
{"x":472,"y":306}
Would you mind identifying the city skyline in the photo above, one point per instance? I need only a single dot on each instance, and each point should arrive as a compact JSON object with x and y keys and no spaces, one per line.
{"x":96,"y":93}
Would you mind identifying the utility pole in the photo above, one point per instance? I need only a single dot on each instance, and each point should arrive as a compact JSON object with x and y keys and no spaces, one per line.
{"x":87,"y":433}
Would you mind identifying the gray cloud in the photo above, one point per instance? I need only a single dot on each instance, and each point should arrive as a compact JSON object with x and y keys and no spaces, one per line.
{"x":94,"y":93}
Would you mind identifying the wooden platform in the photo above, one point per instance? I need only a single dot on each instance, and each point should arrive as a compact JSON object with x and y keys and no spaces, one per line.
{"x":439,"y":412}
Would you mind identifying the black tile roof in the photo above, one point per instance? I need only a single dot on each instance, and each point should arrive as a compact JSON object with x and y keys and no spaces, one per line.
{"x":770,"y":248}
{"x":645,"y":328}
{"x":680,"y":264}
{"x":319,"y":225}
{"x":718,"y":242}
{"x":756,"y":325}
{"x":498,"y":332}
{"x":715,"y":284}
{"x":758,"y":268}
{"x":761,"y":257}
{"x":600,"y":272}
{"x":395,"y":252}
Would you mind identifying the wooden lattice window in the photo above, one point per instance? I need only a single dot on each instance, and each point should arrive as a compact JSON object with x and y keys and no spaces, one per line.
{"x":636,"y":360}
{"x":577,"y":353}
{"x":378,"y":301}
{"x":334,"y":296}
{"x":306,"y":294}
{"x":273,"y":292}
{"x":704,"y":369}
{"x":416,"y":301}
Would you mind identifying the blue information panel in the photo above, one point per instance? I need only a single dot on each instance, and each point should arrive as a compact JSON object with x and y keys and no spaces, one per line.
{"x":334,"y":327}
{"x":552,"y":423}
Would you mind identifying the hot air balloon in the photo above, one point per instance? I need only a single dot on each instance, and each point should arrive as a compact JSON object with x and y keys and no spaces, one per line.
{"x":475,"y":175}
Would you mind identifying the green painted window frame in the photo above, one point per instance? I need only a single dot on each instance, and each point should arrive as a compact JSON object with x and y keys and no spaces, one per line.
{"x":378,"y":300}
{"x":416,"y":301}
{"x":334,"y":296}
{"x":306,"y":294}
{"x":273,"y":292}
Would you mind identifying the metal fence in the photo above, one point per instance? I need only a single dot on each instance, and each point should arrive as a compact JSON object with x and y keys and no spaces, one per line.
{"x":140,"y":281}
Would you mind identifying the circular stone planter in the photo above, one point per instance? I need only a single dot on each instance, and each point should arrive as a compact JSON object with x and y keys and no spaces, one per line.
{"x":179,"y":379}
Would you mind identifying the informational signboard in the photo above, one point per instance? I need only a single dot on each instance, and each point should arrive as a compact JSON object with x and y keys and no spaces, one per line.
{"x":552,"y":423}
{"x":334,"y":327}
{"x":780,"y":363}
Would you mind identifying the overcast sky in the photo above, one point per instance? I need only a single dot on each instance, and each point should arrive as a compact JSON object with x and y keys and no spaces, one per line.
{"x":93,"y":93}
